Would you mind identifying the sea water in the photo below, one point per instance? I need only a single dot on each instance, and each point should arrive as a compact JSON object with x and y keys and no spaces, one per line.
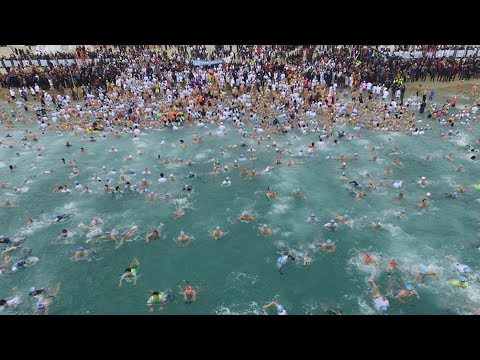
{"x":238,"y":274}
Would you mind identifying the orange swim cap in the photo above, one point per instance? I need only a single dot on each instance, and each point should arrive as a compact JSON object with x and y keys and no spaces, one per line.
{"x":393,"y":262}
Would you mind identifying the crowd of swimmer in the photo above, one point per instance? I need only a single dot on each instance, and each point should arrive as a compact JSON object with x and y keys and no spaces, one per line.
{"x":258,"y":99}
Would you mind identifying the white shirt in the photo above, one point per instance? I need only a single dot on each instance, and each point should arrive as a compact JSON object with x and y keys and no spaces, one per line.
{"x":379,"y":302}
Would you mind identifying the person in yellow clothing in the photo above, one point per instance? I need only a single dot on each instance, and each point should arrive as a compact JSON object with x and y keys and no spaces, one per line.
{"x":460,"y":282}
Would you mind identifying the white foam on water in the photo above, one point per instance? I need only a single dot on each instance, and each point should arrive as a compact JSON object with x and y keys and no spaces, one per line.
{"x":462,"y":139}
{"x":281,"y":206}
{"x":252,"y":308}
{"x":366,"y":308}
{"x":200,"y":156}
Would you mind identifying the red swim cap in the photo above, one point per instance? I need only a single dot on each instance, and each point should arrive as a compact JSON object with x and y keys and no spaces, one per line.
{"x":393,"y":262}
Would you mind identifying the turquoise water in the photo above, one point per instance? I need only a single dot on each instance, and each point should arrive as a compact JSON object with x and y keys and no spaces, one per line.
{"x":238,"y":273}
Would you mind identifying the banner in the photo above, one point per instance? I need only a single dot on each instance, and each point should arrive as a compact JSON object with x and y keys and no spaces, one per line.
{"x":207,"y":62}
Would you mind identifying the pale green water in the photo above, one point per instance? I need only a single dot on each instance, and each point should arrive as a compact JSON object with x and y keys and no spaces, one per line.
{"x":239,"y":271}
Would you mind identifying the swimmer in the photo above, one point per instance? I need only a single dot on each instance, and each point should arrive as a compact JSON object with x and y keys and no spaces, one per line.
{"x":376,"y":225}
{"x":57,"y":218}
{"x":401,"y":213}
{"x":423,"y":182}
{"x":107,"y":235}
{"x":183,"y":237}
{"x":462,"y":189}
{"x":157,"y":299}
{"x":8,"y":305}
{"x":96,"y":221}
{"x":217,"y":233}
{"x":399,"y":197}
{"x":368,"y":259}
{"x":331,"y":225}
{"x":328,"y":246}
{"x":453,"y":195}
{"x":341,"y":218}
{"x":380,"y":302}
{"x":125,"y":235}
{"x":280,"y":308}
{"x":64,"y":234}
{"x":343,"y":176}
{"x":270,"y":193}
{"x":178,"y":213}
{"x":312,"y":219}
{"x":462,"y":268}
{"x":298,"y":193}
{"x":459,"y":168}
{"x":398,"y":163}
{"x":423,"y":273}
{"x":189,"y":294}
{"x":265,"y":230}
{"x":130,"y":273}
{"x":172,"y":178}
{"x":355,"y":184}
{"x":408,"y":292}
{"x":449,"y":157}
{"x":226,"y":182}
{"x":427,"y":157}
{"x":461,"y":282}
{"x":246,"y":216}
{"x":282,"y":260}
{"x":152,"y":234}
{"x":8,"y":203}
{"x":423,"y":203}
{"x":82,"y":253}
{"x":152,"y":196}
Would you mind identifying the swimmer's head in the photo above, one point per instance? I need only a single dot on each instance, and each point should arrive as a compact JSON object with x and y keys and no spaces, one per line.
{"x":429,"y":194}
{"x":54,"y":216}
{"x":40,"y":307}
{"x":227,"y":178}
{"x":280,"y":308}
{"x":107,"y":232}
{"x":217,"y":227}
{"x":455,"y":193}
{"x":32,"y":289}
{"x":343,"y":173}
{"x":244,"y":212}
{"x":383,"y":308}
{"x":345,"y":215}
{"x":14,"y":268}
{"x":332,"y":221}
{"x":408,"y":287}
{"x":423,"y":272}
{"x":462,"y":278}
{"x":123,"y":233}
{"x":328,"y":241}
{"x":77,"y":182}
{"x":182,"y":232}
{"x":423,"y":178}
{"x":265,"y":225}
{"x":80,"y":248}
{"x":312,"y":214}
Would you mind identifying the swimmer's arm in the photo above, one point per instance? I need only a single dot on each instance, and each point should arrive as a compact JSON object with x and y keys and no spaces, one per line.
{"x":135,"y":280}
{"x":266,"y":306}
{"x":10,"y":249}
{"x":147,"y":237}
{"x":120,"y":280}
{"x":399,"y":297}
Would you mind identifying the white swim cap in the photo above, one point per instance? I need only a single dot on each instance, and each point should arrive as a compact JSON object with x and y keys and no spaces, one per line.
{"x":428,"y":194}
